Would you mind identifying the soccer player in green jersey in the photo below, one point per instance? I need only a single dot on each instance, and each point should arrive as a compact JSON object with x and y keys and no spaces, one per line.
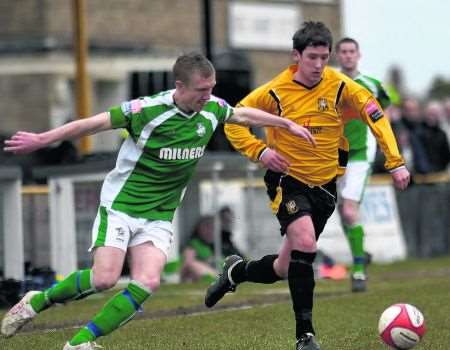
{"x":361,"y":156}
{"x":168,"y":135}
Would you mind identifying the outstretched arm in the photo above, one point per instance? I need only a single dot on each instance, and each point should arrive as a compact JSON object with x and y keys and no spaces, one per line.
{"x":369,"y":111}
{"x":24,"y":142}
{"x":254,"y":117}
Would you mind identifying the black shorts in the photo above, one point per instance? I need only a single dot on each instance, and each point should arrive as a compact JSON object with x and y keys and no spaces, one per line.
{"x":300,"y":199}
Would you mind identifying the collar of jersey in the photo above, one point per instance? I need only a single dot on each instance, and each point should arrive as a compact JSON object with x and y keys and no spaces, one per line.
{"x":358,"y":76}
{"x":293,"y":69}
{"x":171,"y":102}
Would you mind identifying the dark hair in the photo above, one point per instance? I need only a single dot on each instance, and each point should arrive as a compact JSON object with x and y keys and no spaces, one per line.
{"x":201,"y":222}
{"x":312,"y":34}
{"x":191,"y":63}
{"x":225,"y":209}
{"x":346,"y":40}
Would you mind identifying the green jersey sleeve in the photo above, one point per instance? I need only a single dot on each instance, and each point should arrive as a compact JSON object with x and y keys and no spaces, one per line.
{"x":121,"y":115}
{"x":134,"y":115}
{"x":383,"y":97}
{"x":376,"y":88}
{"x":118,"y":119}
{"x":220,"y":108}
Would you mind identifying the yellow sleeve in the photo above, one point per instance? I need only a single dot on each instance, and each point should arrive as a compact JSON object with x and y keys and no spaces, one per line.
{"x":373,"y":115}
{"x":244,"y":141}
{"x":240,"y":136}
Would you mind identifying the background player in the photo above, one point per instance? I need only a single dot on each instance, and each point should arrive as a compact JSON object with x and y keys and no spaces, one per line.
{"x":362,"y":150}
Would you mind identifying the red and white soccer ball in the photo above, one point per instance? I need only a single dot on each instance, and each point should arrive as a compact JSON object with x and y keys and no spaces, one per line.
{"x":401,"y":326}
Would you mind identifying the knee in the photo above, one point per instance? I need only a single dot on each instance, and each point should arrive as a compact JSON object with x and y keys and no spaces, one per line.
{"x":151,"y":282}
{"x":104,"y":280}
{"x":306,"y":243}
{"x":310,"y":244}
{"x":349,"y":215}
{"x":302,"y":235}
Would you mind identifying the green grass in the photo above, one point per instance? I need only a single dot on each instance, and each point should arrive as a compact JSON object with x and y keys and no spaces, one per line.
{"x":175,"y":318}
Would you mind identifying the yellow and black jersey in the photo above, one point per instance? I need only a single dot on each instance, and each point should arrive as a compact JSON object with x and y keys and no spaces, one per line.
{"x":320,"y":109}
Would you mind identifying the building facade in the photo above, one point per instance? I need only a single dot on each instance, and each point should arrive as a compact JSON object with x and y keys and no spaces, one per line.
{"x":133,"y":42}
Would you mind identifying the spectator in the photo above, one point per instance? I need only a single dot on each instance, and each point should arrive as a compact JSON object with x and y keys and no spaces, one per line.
{"x":409,"y":135}
{"x":434,"y":139}
{"x":446,"y":120}
{"x":226,"y":217}
{"x":395,"y":87}
{"x":198,"y":256}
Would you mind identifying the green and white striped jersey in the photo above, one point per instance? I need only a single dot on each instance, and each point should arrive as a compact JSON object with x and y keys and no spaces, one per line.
{"x":362,"y":142}
{"x":158,"y":158}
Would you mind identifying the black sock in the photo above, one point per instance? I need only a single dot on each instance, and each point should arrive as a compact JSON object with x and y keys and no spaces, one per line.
{"x":258,"y":271}
{"x":301,"y":284}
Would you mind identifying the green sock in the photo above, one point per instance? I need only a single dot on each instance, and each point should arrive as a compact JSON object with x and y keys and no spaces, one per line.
{"x":355,"y":235}
{"x":75,"y":286}
{"x":116,"y":312}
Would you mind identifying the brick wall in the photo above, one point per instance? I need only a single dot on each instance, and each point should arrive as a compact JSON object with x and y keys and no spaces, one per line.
{"x":22,"y":18}
{"x":158,"y":26}
{"x":24,"y":103}
{"x":162,"y":25}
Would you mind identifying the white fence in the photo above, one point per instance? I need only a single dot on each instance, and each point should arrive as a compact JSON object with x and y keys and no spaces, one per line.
{"x":11,"y":229}
{"x":257,"y":230}
{"x":73,"y":195}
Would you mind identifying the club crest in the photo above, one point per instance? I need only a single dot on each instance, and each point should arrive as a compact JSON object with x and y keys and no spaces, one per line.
{"x":322,"y":104}
{"x":291,"y":207}
{"x":201,"y":130}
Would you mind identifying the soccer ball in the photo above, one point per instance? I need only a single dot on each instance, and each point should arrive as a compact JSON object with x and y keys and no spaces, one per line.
{"x":401,"y":326}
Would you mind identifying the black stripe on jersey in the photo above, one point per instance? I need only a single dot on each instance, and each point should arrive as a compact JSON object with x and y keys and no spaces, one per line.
{"x":342,"y":157}
{"x":339,"y":93}
{"x":306,"y":86}
{"x":277,"y":100}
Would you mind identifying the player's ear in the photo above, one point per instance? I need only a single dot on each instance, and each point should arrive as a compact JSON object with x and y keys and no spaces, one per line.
{"x":295,"y":55}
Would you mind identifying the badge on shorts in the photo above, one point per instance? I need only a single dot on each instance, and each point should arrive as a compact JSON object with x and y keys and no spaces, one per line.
{"x":120,"y":231}
{"x":291,"y":207}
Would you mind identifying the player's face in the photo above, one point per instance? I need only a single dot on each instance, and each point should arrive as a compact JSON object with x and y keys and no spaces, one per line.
{"x":192,"y":96}
{"x":311,"y":63}
{"x":348,"y":56}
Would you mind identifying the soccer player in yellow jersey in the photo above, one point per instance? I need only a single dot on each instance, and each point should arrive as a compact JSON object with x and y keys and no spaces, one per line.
{"x":301,"y":177}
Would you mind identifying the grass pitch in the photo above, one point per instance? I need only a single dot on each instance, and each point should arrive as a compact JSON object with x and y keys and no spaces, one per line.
{"x":260,"y":316}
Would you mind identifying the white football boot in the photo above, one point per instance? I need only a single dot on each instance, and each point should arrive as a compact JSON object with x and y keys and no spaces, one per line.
{"x":85,"y":346}
{"x":19,"y":315}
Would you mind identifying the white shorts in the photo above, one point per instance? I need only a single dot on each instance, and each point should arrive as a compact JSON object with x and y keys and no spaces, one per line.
{"x":352,"y":184}
{"x":116,"y":229}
